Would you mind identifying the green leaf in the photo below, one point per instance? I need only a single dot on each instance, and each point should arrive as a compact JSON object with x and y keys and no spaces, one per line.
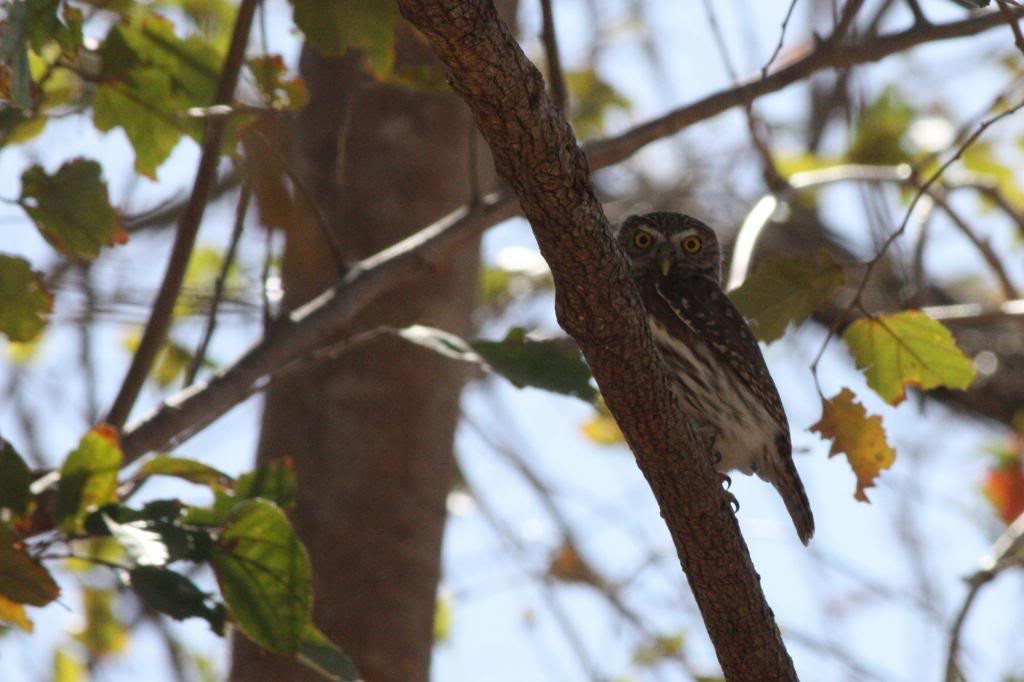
{"x":175,"y":595}
{"x":67,"y":668}
{"x":88,"y":476}
{"x":336,"y":26}
{"x":323,"y":656}
{"x":907,"y":349}
{"x":280,"y":91}
{"x":786,"y":290}
{"x":862,"y":438}
{"x":24,"y":300}
{"x":981,"y":158}
{"x":22,"y":579}
{"x":184,"y":468}
{"x":104,"y":633}
{"x":880,"y":132}
{"x":554,"y":365}
{"x":15,"y":479}
{"x":71,"y":208}
{"x":274,"y":481}
{"x":14,"y":69}
{"x":592,"y":98}
{"x":45,"y":25}
{"x":150,"y":79}
{"x":657,"y":649}
{"x":265,"y":576}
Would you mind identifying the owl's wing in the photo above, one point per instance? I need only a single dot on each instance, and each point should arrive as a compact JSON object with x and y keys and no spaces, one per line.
{"x":708,"y":313}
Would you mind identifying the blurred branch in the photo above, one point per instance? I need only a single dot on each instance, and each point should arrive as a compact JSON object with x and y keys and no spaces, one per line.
{"x":188,"y":227}
{"x":1011,"y":19}
{"x":1007,"y":552}
{"x":556,"y":78}
{"x":220,"y":286}
{"x":782,"y":39}
{"x":169,"y":211}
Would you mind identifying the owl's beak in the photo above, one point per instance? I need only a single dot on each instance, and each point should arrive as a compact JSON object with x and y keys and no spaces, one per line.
{"x":665,"y":263}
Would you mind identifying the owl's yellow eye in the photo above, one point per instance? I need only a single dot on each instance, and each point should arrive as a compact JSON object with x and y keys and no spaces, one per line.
{"x":642,"y":240}
{"x":691,"y":244}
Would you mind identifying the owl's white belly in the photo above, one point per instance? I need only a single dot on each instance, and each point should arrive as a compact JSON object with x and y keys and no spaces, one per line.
{"x":713,"y":393}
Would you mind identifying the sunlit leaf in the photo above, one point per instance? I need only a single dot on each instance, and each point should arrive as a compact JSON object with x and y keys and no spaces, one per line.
{"x":323,"y":656}
{"x":15,"y":479}
{"x":104,"y":634}
{"x":22,"y":579}
{"x":184,"y":468}
{"x":907,"y":349}
{"x":71,"y":208}
{"x":860,"y":437}
{"x":880,"y":131}
{"x":554,"y":365}
{"x":591,"y":98}
{"x":786,"y":290}
{"x":443,"y":611}
{"x":88,"y":477}
{"x":602,"y":427}
{"x":67,"y":668}
{"x":981,"y":158}
{"x":174,"y":595}
{"x":265,"y":576}
{"x":656,"y":650}
{"x":335,"y":27}
{"x":440,"y":341}
{"x":13,"y":613}
{"x":274,"y":481}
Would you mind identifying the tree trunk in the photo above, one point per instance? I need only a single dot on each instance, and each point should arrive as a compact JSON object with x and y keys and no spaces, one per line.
{"x":371,"y":431}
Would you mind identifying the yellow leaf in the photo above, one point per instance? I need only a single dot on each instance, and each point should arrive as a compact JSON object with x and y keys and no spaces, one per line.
{"x":861,"y":437}
{"x":602,"y":427}
{"x":907,"y":348}
{"x":14,"y":613}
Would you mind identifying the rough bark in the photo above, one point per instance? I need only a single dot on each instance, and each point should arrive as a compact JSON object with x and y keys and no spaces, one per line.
{"x":371,"y":432}
{"x":597,"y":303}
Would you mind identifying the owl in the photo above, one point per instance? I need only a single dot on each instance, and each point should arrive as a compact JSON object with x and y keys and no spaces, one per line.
{"x":719,"y":373}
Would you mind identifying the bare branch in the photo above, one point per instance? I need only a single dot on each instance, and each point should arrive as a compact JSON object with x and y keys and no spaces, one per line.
{"x":220,"y":286}
{"x":188,"y":227}
{"x":556,"y":79}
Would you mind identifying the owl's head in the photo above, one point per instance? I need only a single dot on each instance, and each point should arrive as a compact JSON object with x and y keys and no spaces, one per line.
{"x":670,"y":245}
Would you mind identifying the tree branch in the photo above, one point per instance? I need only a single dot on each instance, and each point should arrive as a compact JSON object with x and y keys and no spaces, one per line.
{"x":597,"y":302}
{"x":188,"y":227}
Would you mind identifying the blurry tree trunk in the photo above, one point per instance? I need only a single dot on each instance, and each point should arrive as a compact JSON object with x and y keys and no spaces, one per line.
{"x":371,"y":431}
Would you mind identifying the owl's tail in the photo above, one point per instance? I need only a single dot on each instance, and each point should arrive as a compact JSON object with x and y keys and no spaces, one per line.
{"x":787,"y":481}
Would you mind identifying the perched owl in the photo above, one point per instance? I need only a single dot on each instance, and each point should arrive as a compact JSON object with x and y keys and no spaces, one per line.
{"x":721,"y":377}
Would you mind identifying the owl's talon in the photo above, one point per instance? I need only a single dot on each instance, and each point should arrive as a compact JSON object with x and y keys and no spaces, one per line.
{"x":733,"y":503}
{"x":726,"y":481}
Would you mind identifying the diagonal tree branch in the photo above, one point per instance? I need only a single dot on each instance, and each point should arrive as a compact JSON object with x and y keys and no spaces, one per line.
{"x":597,"y":303}
{"x":188,"y":227}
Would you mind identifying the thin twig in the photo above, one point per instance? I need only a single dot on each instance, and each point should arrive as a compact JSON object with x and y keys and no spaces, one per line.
{"x":188,"y":227}
{"x":1018,"y":37}
{"x":220,"y":286}
{"x":782,"y":39}
{"x":549,"y":36}
{"x":982,"y":245}
{"x":850,"y":10}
